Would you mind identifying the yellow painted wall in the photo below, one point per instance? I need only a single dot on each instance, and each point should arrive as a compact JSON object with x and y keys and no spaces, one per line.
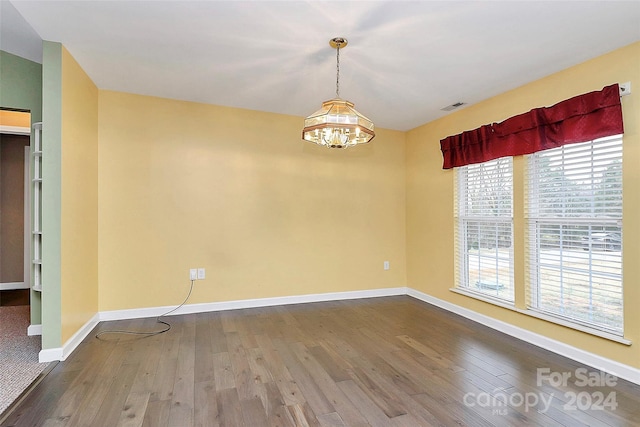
{"x":79,"y":194}
{"x":430,"y":200}
{"x":237,"y":192}
{"x":15,"y":118}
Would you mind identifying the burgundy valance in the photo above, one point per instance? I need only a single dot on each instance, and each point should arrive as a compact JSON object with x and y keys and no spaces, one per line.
{"x":578,"y":119}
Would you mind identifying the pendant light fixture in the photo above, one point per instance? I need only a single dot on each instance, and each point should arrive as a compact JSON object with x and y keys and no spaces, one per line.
{"x":337,"y":124}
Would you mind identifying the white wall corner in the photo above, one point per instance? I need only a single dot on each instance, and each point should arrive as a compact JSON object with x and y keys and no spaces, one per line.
{"x":612,"y":367}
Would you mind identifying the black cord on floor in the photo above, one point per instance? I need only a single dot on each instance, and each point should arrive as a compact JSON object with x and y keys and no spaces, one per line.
{"x":150,"y":334}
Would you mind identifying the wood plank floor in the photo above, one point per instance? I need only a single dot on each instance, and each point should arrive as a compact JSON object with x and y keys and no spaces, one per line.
{"x":392,"y":361}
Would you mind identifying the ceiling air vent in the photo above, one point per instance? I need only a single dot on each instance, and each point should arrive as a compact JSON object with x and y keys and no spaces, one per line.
{"x":453,"y":106}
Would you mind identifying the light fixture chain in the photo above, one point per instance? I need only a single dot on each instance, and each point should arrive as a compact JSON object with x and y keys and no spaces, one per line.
{"x":338,"y":72}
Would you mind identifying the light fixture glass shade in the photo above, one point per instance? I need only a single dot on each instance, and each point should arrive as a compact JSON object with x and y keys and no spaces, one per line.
{"x":337,"y":125}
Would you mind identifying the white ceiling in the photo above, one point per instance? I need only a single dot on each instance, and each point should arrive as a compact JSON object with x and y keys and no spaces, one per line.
{"x":405,"y":59}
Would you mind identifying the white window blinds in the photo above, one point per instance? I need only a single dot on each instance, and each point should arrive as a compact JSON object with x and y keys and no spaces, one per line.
{"x":574,"y":233}
{"x":484,"y":218}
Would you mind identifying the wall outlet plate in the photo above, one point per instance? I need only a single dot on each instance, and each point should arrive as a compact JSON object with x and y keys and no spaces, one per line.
{"x":193,"y":274}
{"x":201,"y":274}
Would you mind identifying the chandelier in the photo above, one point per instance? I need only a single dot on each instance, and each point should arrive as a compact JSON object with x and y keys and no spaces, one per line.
{"x":337,"y":124}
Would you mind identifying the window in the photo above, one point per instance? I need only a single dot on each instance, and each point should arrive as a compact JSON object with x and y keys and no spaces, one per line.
{"x":484,"y":217}
{"x":574,"y":226}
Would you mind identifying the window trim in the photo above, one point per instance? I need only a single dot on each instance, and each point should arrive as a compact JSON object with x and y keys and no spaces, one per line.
{"x":461,"y":218}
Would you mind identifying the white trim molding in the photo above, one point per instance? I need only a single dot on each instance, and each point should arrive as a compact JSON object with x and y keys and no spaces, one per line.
{"x":50,"y":355}
{"x":61,"y":353}
{"x":15,"y":130}
{"x":540,"y":315}
{"x":33,"y":330}
{"x":618,"y":369}
{"x":8,"y":286}
{"x":248,"y":303}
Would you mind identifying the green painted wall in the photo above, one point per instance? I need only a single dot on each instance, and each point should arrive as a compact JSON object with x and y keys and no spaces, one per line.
{"x":21,"y":89}
{"x":51,"y":194}
{"x":21,"y":84}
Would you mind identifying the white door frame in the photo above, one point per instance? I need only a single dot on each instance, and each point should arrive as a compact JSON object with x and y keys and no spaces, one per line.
{"x":27,"y":217}
{"x":26,"y":283}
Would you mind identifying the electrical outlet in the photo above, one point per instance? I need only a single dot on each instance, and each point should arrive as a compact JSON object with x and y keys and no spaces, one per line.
{"x":386,"y":265}
{"x":201,"y":273}
{"x":193,"y":274}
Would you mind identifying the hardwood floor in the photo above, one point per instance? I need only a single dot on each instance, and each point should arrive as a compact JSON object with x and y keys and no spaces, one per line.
{"x":392,"y":361}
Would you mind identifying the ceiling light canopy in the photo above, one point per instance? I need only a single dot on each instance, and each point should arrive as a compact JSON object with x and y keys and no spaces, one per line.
{"x":337,"y":124}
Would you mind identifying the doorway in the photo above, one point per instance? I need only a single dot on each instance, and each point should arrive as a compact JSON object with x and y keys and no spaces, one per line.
{"x":15,"y":224}
{"x":14,"y":227}
{"x":18,"y":350}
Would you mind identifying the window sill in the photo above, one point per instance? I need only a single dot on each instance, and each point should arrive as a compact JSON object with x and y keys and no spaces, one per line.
{"x":483,"y":297}
{"x":543,"y":316}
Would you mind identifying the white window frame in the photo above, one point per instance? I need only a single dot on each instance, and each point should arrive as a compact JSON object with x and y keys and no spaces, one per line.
{"x":579,"y":264}
{"x":497,"y":285}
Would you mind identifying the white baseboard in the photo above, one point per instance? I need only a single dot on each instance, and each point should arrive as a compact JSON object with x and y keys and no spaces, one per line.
{"x":248,"y":303}
{"x":50,"y":355}
{"x":9,"y":286}
{"x":33,"y":330}
{"x":618,"y":369}
{"x":61,"y":353}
